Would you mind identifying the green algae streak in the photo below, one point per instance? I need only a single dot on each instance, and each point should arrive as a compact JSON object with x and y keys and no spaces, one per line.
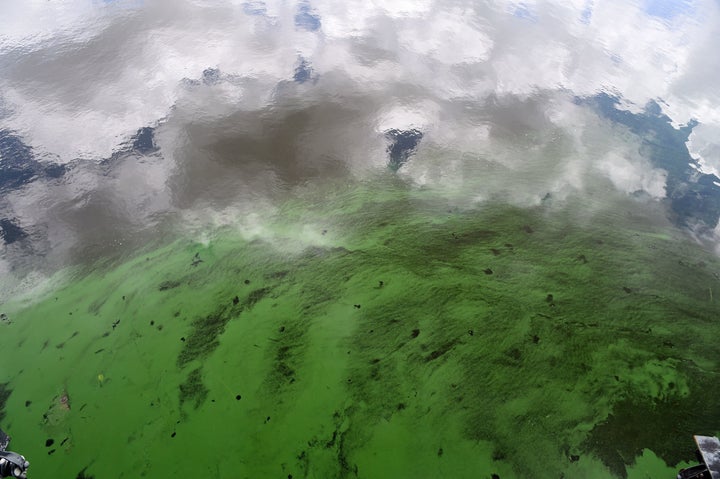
{"x":377,"y":333}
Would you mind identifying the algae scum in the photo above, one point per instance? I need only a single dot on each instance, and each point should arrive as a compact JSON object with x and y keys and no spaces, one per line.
{"x":413,"y":340}
{"x":381,"y":329}
{"x":315,"y":239}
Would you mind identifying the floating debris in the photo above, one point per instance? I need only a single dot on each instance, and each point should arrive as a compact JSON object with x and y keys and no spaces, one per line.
{"x":58,"y":410}
{"x":64,"y":401}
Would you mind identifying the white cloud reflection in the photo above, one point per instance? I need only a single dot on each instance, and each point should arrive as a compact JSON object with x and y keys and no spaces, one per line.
{"x":117,"y":66}
{"x":490,"y":84}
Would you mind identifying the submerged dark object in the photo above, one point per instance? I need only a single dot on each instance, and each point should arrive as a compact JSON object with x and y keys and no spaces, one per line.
{"x":709,"y":453}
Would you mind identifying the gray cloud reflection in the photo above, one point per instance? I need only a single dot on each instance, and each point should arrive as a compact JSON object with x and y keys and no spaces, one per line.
{"x":136,"y":114}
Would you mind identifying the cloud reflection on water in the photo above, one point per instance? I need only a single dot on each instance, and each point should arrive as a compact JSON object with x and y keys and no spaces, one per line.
{"x":245,"y":100}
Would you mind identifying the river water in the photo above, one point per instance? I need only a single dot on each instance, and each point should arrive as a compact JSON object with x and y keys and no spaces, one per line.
{"x":374,"y":240}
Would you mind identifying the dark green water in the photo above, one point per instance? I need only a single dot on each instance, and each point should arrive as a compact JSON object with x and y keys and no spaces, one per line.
{"x":382,"y":332}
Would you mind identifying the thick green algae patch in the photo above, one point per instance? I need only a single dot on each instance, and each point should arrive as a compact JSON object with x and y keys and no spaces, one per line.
{"x":378,"y":335}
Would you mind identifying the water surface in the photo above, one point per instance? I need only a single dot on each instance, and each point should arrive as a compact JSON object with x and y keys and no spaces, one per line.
{"x":304,"y":239}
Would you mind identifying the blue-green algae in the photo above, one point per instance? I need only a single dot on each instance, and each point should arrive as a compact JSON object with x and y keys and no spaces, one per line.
{"x":377,"y":333}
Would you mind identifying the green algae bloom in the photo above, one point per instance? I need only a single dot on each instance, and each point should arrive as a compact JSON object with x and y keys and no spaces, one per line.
{"x":388,"y":333}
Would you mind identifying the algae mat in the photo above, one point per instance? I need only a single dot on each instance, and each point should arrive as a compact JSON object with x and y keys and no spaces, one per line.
{"x":377,"y":334}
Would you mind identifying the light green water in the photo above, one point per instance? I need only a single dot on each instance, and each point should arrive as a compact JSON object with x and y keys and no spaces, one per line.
{"x":380,"y":333}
